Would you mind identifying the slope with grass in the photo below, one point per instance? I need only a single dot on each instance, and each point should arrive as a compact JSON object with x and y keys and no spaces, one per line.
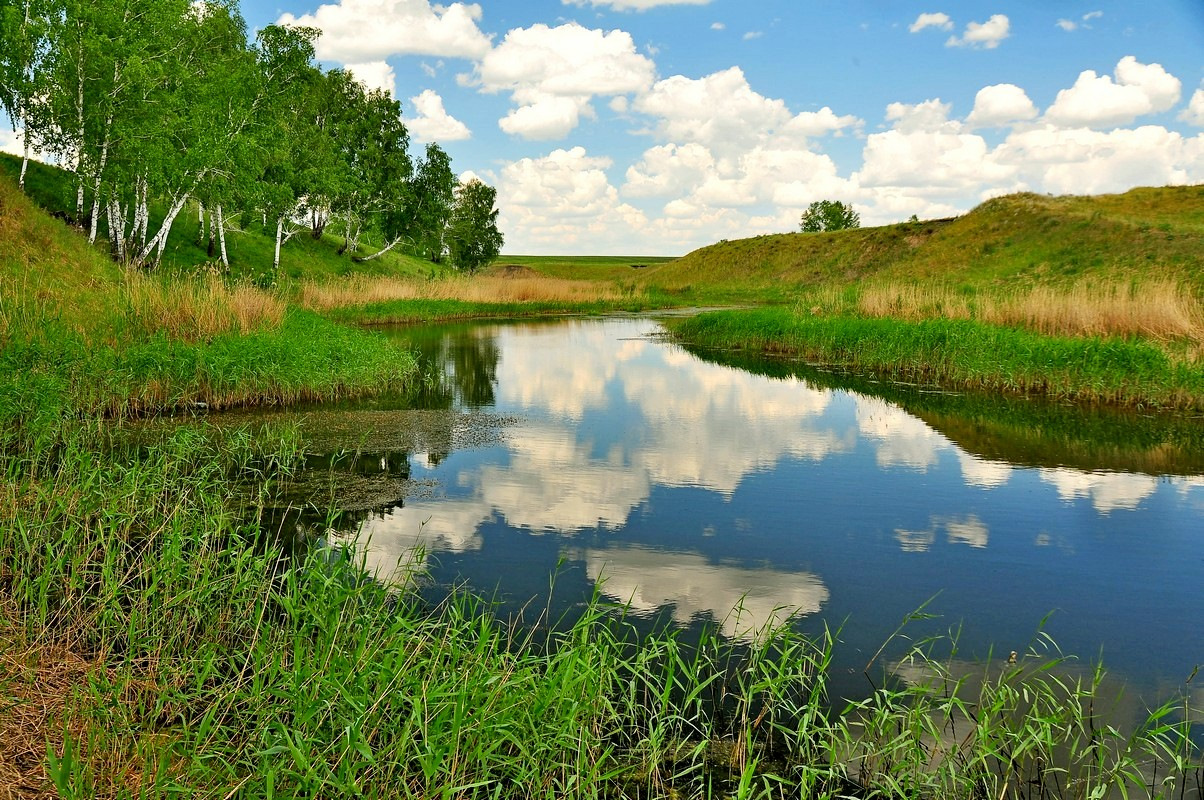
{"x":1022,"y":239}
{"x":249,"y":244}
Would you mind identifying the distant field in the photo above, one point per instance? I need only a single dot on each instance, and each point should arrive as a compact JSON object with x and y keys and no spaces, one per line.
{"x":588,"y":267}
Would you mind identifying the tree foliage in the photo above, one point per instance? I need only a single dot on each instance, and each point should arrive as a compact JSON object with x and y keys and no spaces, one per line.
{"x":829,"y":215}
{"x":473,"y":236}
{"x":166,"y":103}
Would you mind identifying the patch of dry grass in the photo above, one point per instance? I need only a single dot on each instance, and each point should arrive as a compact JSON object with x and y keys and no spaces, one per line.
{"x":199,"y":309}
{"x":1165,"y":311}
{"x":362,"y":291}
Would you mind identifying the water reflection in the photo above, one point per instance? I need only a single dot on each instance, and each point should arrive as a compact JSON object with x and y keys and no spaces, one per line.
{"x":695,"y":486}
{"x":741,"y":600}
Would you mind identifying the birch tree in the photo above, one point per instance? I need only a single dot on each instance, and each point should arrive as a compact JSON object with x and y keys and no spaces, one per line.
{"x":25,"y":38}
{"x":473,"y":236}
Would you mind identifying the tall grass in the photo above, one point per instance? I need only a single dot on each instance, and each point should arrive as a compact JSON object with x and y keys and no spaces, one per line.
{"x":361,"y":291}
{"x":198,"y":309}
{"x":963,"y":353}
{"x":1156,"y":309}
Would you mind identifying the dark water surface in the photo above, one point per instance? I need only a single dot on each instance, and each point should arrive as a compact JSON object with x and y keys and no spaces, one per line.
{"x":592,"y":450}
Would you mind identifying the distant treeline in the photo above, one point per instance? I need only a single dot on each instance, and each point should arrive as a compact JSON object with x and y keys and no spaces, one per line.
{"x":153,"y":103}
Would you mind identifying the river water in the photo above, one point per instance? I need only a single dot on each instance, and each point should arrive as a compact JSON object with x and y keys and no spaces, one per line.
{"x":699,"y":488}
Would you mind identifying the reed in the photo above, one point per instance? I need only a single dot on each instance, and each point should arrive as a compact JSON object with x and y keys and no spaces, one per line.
{"x":363,"y":290}
{"x":1159,"y":310}
{"x":198,"y":309}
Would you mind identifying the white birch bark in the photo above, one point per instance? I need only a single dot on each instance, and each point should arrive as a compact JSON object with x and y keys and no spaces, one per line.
{"x":382,"y":251}
{"x":159,"y":242}
{"x":279,"y":233}
{"x":100,"y":168}
{"x":221,"y":236}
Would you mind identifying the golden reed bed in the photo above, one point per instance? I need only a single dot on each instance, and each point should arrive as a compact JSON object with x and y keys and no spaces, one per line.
{"x":360,"y":290}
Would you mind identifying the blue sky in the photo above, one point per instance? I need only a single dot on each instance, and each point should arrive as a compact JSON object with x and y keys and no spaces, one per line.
{"x":657,"y":126}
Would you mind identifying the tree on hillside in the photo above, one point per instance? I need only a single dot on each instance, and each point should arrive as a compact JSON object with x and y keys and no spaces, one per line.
{"x":829,"y":215}
{"x":25,"y":39}
{"x":473,"y":237}
{"x":432,"y":195}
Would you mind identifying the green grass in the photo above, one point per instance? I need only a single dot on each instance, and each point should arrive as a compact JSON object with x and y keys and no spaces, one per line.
{"x":249,"y":245}
{"x":1023,"y":239}
{"x":603,"y":268}
{"x":402,"y":312}
{"x":963,"y":354}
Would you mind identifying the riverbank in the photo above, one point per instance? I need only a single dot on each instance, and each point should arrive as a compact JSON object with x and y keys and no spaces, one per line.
{"x":963,"y":354}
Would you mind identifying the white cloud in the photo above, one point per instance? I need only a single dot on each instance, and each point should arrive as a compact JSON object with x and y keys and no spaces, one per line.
{"x":748,"y":37}
{"x":563,"y":199}
{"x":724,"y":113}
{"x":359,"y":31}
{"x":986,"y":35}
{"x":938,"y":20}
{"x":1070,"y":25}
{"x":1096,"y":101}
{"x":999,"y":105}
{"x":718,"y":26}
{"x":374,"y":75}
{"x":1083,"y":161}
{"x":432,"y":122}
{"x":634,"y":5}
{"x":553,"y":74}
{"x":1194,"y":113}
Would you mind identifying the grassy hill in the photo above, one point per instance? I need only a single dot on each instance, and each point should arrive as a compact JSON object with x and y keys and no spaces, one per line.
{"x":1024,"y":239}
{"x":249,"y":245}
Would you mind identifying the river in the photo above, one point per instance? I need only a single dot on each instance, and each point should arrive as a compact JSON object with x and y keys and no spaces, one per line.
{"x":595,"y":455}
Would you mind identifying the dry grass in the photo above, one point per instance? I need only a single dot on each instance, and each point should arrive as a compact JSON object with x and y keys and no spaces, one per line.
{"x":1162,"y":310}
{"x":361,"y":291}
{"x":199,"y":309}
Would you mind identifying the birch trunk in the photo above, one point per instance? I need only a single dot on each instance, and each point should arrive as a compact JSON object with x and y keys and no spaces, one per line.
{"x":279,"y":234}
{"x":117,"y":230}
{"x":200,"y":222}
{"x":382,"y":251}
{"x":142,"y":215}
{"x":221,"y":236}
{"x":160,"y":241}
{"x":209,"y":234}
{"x":79,"y":121}
{"x":100,"y":168}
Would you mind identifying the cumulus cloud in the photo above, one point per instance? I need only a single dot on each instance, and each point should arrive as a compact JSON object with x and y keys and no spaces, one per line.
{"x":1194,"y":113}
{"x":986,"y":35}
{"x":359,"y":31}
{"x":374,"y":75}
{"x":1096,"y":101}
{"x":554,"y":73}
{"x":633,"y":5}
{"x":432,"y":122}
{"x":999,"y":105}
{"x":1083,"y":161}
{"x":938,"y":20}
{"x":718,"y":26}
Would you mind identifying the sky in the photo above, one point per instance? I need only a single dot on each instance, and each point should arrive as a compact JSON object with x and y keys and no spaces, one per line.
{"x":653,"y":127}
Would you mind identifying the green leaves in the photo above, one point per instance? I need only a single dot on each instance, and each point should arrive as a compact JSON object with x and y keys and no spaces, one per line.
{"x":473,"y":236}
{"x":829,"y":215}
